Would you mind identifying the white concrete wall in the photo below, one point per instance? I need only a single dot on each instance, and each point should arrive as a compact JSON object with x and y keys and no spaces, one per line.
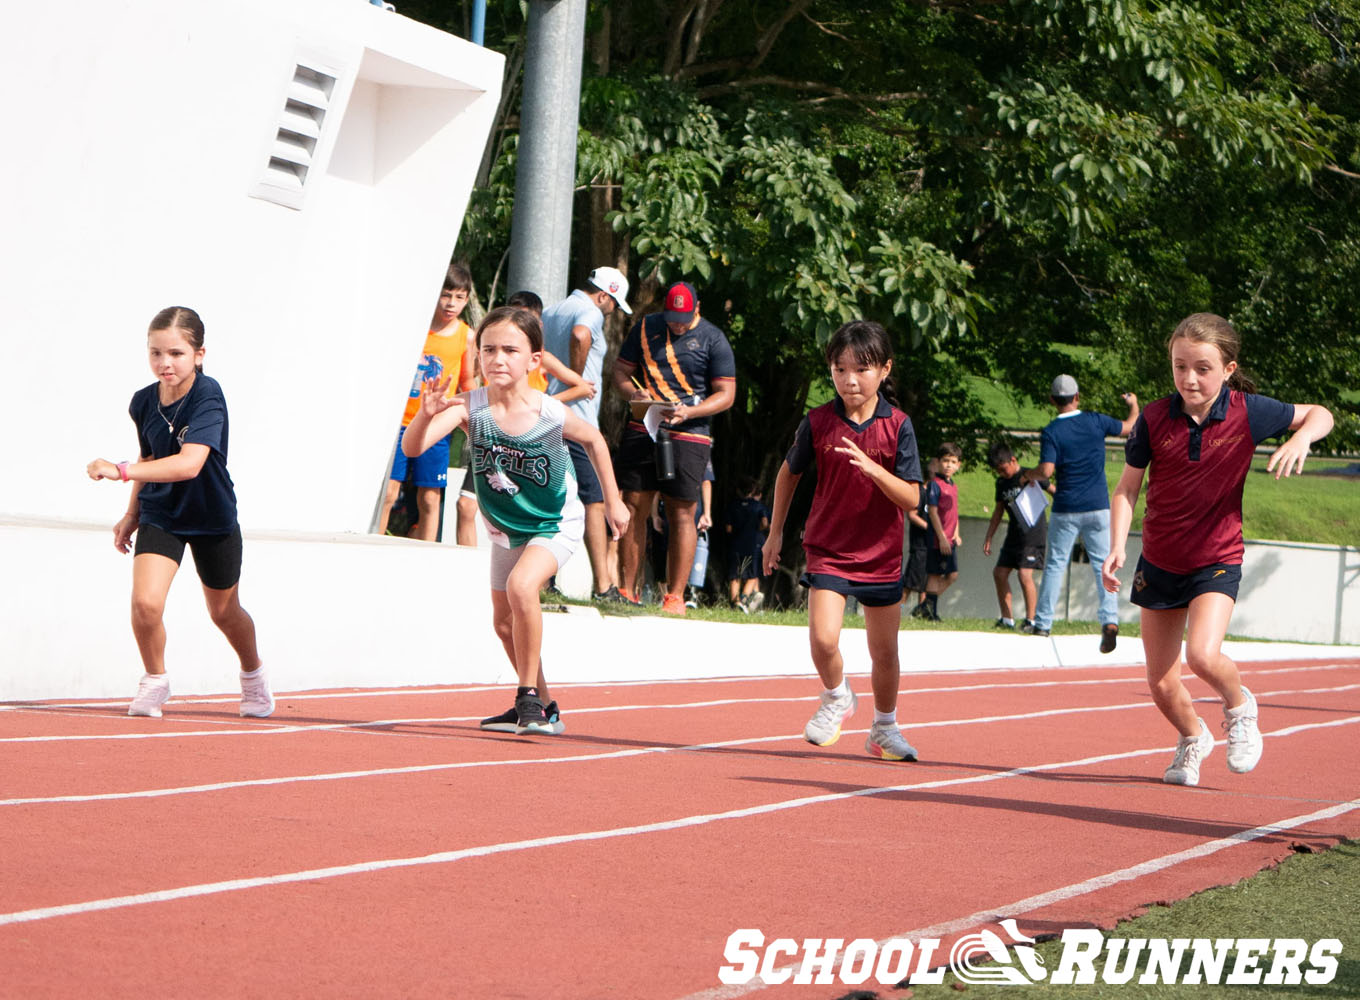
{"x":335,"y":610}
{"x":135,"y":133}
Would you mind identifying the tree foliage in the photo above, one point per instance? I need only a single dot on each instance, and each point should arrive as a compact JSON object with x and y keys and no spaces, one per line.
{"x":1014,"y":188}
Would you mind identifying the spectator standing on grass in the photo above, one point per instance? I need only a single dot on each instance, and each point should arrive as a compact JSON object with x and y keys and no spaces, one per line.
{"x":1022,"y":550}
{"x":677,"y":358}
{"x":942,"y":510}
{"x":573,"y":331}
{"x":914,"y":575}
{"x":1200,"y":441}
{"x":748,"y":519}
{"x":1072,"y":448}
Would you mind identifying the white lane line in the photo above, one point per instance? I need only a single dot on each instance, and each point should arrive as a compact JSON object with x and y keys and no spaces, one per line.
{"x":219,"y":786}
{"x":1021,"y":907}
{"x":269,"y":729}
{"x":702,"y":819}
{"x":187,"y":700}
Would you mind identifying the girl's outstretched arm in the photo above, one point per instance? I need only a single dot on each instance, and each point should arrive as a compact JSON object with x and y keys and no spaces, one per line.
{"x":784,"y":485}
{"x":171,"y":469}
{"x":1311,"y":423}
{"x":1123,"y":501}
{"x":899,"y":491}
{"x":437,"y":417}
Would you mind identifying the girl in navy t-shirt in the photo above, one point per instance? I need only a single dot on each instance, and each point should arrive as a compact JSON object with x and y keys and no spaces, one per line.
{"x":182,"y":495}
{"x":1200,"y":441}
{"x":868,"y":473}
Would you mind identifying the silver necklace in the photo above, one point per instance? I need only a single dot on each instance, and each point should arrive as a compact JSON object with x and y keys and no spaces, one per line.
{"x":170,"y":420}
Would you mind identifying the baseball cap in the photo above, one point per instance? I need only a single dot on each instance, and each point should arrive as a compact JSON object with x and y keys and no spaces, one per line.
{"x":1064,"y":385}
{"x":611,"y":280}
{"x":680,"y":302}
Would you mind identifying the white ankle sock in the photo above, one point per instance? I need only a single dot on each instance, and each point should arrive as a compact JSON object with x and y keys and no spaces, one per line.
{"x":885,"y":718}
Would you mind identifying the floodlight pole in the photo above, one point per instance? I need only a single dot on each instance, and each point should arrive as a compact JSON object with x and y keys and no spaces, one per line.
{"x":545,"y":172}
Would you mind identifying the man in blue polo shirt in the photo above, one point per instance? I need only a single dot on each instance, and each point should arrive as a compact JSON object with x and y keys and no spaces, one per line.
{"x":573,"y":330}
{"x":1072,"y":448}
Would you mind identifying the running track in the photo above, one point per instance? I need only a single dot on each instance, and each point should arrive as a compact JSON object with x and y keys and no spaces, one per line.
{"x":377,"y":844}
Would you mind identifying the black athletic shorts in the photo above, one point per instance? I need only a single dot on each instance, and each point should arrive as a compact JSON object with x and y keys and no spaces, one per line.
{"x":1159,"y":590}
{"x":914,"y":569}
{"x":870,"y":594}
{"x":588,"y":487}
{"x":1021,"y":557}
{"x":216,"y":557}
{"x":942,"y":565}
{"x":635,"y":465}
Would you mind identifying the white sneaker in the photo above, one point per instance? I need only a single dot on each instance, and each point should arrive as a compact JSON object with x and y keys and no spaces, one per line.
{"x":153,"y":691}
{"x":1244,"y":736}
{"x":1190,"y":753}
{"x":886,"y":742}
{"x":824,"y":728}
{"x":256,"y":701}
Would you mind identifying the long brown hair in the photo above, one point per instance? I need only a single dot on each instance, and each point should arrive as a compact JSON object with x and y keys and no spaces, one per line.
{"x":186,"y":321}
{"x":1208,"y":328}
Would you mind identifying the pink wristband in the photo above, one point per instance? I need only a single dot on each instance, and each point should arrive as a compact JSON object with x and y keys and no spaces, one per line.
{"x":122,"y":471}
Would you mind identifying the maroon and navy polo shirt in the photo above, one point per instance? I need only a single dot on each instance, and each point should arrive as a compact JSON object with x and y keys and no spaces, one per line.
{"x":853,"y":530}
{"x":1194,"y":501}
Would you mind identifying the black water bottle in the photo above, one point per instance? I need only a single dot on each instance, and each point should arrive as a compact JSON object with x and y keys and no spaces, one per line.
{"x":665,"y":456}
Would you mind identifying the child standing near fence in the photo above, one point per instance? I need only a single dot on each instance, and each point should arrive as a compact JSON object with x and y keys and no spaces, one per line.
{"x":182,"y":495}
{"x":526,"y":491}
{"x":868,"y":473}
{"x":1200,"y":441}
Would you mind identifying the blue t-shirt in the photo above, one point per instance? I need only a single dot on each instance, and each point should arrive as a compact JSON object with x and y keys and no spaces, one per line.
{"x":558,"y":321}
{"x":1075,"y":444}
{"x":206,"y":504}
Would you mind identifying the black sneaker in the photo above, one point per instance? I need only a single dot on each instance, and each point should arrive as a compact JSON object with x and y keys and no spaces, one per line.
{"x":1042,"y":633}
{"x":920,"y":611}
{"x":1027,"y":626}
{"x":610,"y":596}
{"x":506,"y":722}
{"x":529,"y":715}
{"x":1109,"y":635}
{"x":1001,"y":623}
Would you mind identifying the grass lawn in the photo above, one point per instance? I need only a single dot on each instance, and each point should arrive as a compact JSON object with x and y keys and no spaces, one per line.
{"x":1314,"y":507}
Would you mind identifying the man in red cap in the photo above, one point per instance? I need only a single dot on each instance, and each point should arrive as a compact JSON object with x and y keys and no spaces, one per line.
{"x":683,"y":361}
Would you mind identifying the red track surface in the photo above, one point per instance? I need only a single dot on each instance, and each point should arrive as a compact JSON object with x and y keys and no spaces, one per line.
{"x":317,"y":854}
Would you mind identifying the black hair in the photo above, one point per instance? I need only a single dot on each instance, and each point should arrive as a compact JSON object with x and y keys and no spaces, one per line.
{"x":527,"y":323}
{"x":1061,"y":401}
{"x":457,"y":279}
{"x":869,"y":344}
{"x":749,"y":486}
{"x":948,"y":448}
{"x":526,"y":300}
{"x":183,"y":319}
{"x":999,"y":454}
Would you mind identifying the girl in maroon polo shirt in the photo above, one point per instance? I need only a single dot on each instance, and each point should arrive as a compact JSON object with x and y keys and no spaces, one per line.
{"x":868,"y":473}
{"x":1200,"y":441}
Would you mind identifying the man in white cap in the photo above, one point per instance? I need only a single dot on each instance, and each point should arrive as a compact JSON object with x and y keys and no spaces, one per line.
{"x":573,"y":330}
{"x":1073,"y":447}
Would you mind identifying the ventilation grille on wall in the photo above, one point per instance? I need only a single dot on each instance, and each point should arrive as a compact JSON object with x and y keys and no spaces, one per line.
{"x":298,"y":134}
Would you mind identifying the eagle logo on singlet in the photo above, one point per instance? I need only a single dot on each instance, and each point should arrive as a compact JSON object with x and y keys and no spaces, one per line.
{"x":501,"y":483}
